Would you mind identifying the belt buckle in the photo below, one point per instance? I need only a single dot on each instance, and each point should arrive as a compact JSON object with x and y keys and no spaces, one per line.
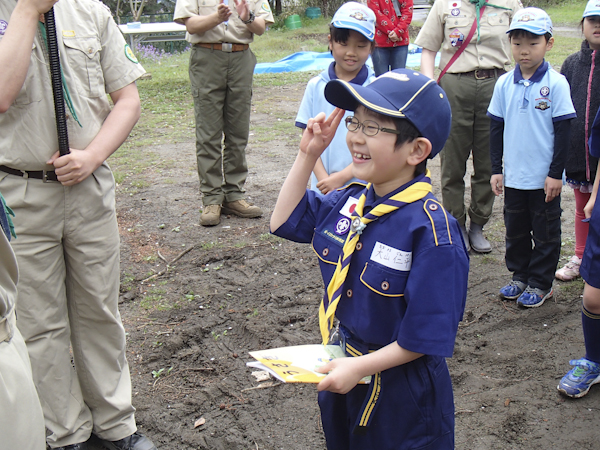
{"x":227,"y":47}
{"x":477,"y":77}
{"x":45,"y":176}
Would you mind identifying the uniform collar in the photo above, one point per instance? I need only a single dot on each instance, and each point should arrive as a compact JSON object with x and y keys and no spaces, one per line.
{"x":537,"y":76}
{"x":360,"y":77}
{"x":372,"y":199}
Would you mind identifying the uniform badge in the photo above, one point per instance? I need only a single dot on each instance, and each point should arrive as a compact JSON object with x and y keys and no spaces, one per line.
{"x":455,"y":12}
{"x":3,"y":25}
{"x":349,"y":206}
{"x":456,"y":38}
{"x":545,"y":91}
{"x":130,"y":55}
{"x":342,"y":225}
{"x":542,"y":106}
{"x":359,"y":16}
{"x":357,"y":225}
{"x":265,"y":7}
{"x":68,"y":33}
{"x":454,"y":4}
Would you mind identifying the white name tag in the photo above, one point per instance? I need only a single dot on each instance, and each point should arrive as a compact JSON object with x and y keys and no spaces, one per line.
{"x":391,"y":257}
{"x":349,"y":207}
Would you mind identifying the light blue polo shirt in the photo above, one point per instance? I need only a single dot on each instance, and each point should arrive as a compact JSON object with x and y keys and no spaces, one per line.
{"x":528,"y":109}
{"x":336,"y":157}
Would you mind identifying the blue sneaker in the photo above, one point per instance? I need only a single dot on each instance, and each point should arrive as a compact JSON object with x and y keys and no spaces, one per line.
{"x":512,"y":290}
{"x":534,"y":297}
{"x":580,"y":379}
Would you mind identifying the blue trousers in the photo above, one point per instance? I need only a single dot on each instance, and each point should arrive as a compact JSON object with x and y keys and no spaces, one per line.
{"x":389,"y":58}
{"x":532,"y":236}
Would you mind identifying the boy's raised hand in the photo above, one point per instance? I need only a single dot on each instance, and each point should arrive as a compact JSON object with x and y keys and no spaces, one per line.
{"x":319,"y":133}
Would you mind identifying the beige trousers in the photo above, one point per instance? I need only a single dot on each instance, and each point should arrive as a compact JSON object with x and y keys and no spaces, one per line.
{"x":67,"y":249}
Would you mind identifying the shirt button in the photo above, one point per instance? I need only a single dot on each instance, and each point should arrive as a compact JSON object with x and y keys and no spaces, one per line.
{"x":481,"y":58}
{"x":385,"y":285}
{"x":90,"y":50}
{"x":325,"y":251}
{"x":349,"y":293}
{"x":359,"y":246}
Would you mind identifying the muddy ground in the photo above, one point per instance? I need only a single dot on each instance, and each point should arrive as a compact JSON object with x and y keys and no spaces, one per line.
{"x":195,"y":300}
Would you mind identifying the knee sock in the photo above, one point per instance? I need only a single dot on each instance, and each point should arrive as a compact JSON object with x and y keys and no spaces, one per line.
{"x":581,"y":228}
{"x":591,"y":334}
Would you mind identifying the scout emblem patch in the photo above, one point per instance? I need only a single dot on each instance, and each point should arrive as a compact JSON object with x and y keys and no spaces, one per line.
{"x":456,"y":38}
{"x":3,"y":25}
{"x":342,"y":225}
{"x":545,"y":91}
{"x":455,"y":12}
{"x":130,"y":55}
{"x":542,"y":106}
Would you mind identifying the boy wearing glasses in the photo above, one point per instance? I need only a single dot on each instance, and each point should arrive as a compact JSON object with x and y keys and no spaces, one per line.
{"x":351,"y":35}
{"x":393,"y":260}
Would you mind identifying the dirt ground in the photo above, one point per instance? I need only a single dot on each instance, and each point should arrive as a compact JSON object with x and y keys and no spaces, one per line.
{"x":196,"y":300}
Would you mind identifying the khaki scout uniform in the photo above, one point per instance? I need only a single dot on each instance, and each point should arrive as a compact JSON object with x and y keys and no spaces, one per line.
{"x":68,"y":241}
{"x":21,"y":417}
{"x":469,"y":84}
{"x":221,"y":70}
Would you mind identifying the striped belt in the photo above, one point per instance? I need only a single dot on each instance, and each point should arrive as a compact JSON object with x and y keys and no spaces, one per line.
{"x":44,"y":175}
{"x":354,"y":347}
{"x":225,"y":47}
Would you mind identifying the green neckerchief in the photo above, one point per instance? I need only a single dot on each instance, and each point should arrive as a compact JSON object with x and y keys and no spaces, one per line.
{"x":66,"y":93}
{"x":9,"y":212}
{"x":480,"y":4}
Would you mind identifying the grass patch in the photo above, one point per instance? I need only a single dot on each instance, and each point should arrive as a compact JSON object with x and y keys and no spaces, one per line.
{"x":567,"y":13}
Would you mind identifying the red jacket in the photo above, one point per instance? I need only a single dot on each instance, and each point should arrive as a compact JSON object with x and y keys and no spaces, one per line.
{"x":386,"y":21}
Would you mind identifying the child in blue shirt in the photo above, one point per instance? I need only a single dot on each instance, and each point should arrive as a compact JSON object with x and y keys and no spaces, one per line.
{"x":586,"y":371}
{"x":351,"y":40}
{"x":393,"y":260}
{"x":531,"y":112}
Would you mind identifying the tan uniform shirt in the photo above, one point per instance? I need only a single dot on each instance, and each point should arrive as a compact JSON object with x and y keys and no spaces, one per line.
{"x":448,"y":25}
{"x":235,"y":32}
{"x":89,"y":43}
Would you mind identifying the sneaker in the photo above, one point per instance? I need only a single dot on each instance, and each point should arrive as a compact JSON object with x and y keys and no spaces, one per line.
{"x":534,"y":297}
{"x":465,"y":234}
{"x":242,"y":208}
{"x":211,"y":215}
{"x":137,"y":441}
{"x":570,"y":271}
{"x":580,"y":379}
{"x":512,"y":290}
{"x":478,"y":242}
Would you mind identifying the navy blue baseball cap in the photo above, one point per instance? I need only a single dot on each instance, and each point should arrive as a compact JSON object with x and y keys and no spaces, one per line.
{"x":401,"y":94}
{"x":355,"y":16}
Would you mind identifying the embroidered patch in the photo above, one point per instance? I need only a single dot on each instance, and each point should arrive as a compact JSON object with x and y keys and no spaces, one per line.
{"x":342,"y":225}
{"x":391,"y":257}
{"x":455,"y":12}
{"x":349,"y":207}
{"x":456,"y":38}
{"x":68,"y":33}
{"x":3,"y":25}
{"x":265,"y":7}
{"x":130,"y":55}
{"x":545,"y":91}
{"x":542,"y":106}
{"x":454,"y":4}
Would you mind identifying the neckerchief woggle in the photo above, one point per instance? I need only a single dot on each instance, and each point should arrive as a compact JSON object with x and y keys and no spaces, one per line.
{"x":480,"y":4}
{"x":332,"y":296}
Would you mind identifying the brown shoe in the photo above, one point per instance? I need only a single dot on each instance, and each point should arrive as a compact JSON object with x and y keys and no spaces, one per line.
{"x":211,"y":216}
{"x":242,"y":208}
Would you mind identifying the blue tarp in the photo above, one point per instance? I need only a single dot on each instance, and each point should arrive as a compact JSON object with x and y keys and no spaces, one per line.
{"x":315,"y":61}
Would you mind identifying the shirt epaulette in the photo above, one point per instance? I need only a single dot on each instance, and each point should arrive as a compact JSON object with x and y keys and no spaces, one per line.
{"x":439,"y":221}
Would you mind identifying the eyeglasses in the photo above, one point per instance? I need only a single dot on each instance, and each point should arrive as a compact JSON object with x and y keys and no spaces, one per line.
{"x":369,"y":127}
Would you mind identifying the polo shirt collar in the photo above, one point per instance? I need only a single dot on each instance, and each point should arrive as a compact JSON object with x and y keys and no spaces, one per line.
{"x":360,"y":77}
{"x":537,"y":76}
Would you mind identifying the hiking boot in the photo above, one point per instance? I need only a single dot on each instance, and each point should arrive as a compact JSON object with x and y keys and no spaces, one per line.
{"x":137,"y":441}
{"x":580,"y":379}
{"x":211,"y":215}
{"x":478,"y":242}
{"x":80,"y":446}
{"x":242,"y":208}
{"x":534,"y":297}
{"x":512,"y":290}
{"x":570,"y":271}
{"x":465,"y":234}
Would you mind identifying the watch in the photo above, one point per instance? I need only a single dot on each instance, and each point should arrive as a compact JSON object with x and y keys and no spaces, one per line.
{"x":251,"y":18}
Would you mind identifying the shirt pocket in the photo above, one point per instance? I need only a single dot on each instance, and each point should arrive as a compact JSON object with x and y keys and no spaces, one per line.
{"x":326,"y":250}
{"x":500,"y":19}
{"x":83,"y":55}
{"x":384,"y":281}
{"x":463,"y":24}
{"x":207,"y":7}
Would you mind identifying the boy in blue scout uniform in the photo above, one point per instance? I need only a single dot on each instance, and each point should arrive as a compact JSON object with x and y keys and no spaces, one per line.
{"x":351,"y":35}
{"x":378,"y":246}
{"x":531,"y":112}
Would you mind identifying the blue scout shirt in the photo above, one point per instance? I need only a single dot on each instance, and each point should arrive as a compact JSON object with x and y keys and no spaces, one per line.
{"x":407,"y":280}
{"x":336,"y":157}
{"x":528,"y":109}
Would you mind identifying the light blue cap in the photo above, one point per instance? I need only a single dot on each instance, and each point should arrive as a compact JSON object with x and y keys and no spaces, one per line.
{"x":534,"y":20}
{"x":355,"y":16}
{"x":592,"y":8}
